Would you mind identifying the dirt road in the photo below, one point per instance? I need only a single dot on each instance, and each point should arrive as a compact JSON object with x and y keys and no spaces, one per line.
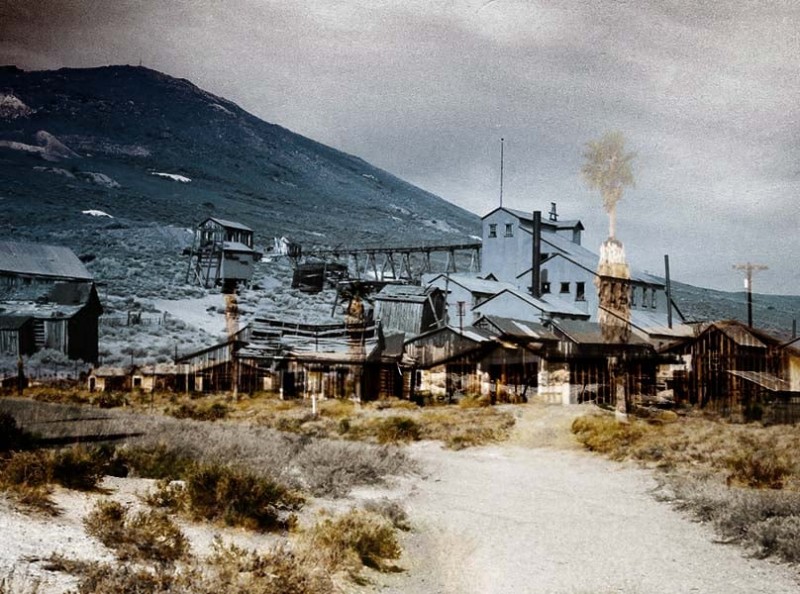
{"x":516,"y":519}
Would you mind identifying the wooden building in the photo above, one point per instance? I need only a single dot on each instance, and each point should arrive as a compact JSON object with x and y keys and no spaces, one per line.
{"x":409,"y":309}
{"x":17,"y":335}
{"x":335,"y":360}
{"x":586,"y":365}
{"x":52,"y":287}
{"x":216,"y":368}
{"x":222,"y":253}
{"x":738,"y":371}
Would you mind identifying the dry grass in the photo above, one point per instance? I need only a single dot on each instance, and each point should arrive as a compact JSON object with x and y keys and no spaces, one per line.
{"x":742,"y":478}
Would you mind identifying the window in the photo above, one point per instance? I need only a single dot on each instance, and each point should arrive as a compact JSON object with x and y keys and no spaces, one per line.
{"x":633,"y":296}
{"x":545,"y":287}
{"x":580,"y":291}
{"x":493,"y":230}
{"x":509,"y":230}
{"x":564,"y":288}
{"x":653,"y":299}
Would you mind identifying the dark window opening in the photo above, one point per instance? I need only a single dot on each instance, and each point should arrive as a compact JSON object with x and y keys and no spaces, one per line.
{"x":493,"y":230}
{"x":509,"y":230}
{"x":545,"y":288}
{"x":564,"y":288}
{"x":580,"y":291}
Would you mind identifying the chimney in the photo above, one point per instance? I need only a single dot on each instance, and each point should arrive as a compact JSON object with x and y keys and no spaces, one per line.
{"x":553,"y":214}
{"x":536,"y":281}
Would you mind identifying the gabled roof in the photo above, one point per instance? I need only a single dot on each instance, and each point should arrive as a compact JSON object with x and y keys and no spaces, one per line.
{"x":528,"y":216}
{"x":587,"y":259}
{"x":477,"y":335}
{"x":48,"y":301}
{"x":738,"y":333}
{"x":519,"y":328}
{"x":229,"y":224}
{"x":37,"y":259}
{"x":549,"y":304}
{"x":473,"y":284}
{"x":581,"y":332}
{"x":407,"y":293}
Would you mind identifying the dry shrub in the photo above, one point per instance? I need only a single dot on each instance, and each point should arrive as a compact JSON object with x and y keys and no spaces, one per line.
{"x":78,"y":468}
{"x":474,"y":401}
{"x":759,"y":464}
{"x":332,"y":468}
{"x":208,"y":412}
{"x":336,"y":408}
{"x":239,"y":498}
{"x":170,"y":495}
{"x":230,"y":570}
{"x":156,"y":461}
{"x":352,"y":540}
{"x":778,"y":537}
{"x":32,"y":469}
{"x":146,"y":536}
{"x":397,"y":429}
{"x":606,"y":435}
{"x":277,"y":571}
{"x":461,"y":428}
{"x":102,"y":578}
{"x":766,"y":522}
{"x":391,"y":510}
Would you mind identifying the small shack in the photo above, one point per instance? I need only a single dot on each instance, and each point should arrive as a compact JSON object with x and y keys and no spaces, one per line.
{"x":409,"y":309}
{"x":222,"y":253}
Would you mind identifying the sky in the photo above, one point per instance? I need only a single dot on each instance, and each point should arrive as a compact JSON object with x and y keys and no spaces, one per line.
{"x":707,"y":94}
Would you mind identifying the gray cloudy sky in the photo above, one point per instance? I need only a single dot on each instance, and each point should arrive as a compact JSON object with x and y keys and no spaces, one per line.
{"x":707,"y":94}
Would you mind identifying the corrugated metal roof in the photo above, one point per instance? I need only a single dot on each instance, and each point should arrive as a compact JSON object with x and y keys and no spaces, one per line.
{"x":229,"y":224}
{"x":41,"y":260}
{"x":582,"y":332}
{"x":471,"y":283}
{"x":587,"y":259}
{"x":549,"y":304}
{"x":520,"y":328}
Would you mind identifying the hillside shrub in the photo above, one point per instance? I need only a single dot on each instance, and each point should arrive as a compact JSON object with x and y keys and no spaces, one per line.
{"x":158,"y":461}
{"x":239,"y":498}
{"x":605,"y":435}
{"x":352,"y":540}
{"x":397,"y":429}
{"x":78,"y":468}
{"x":211,"y":412}
{"x":758,"y":464}
{"x":146,"y":536}
{"x":391,"y":510}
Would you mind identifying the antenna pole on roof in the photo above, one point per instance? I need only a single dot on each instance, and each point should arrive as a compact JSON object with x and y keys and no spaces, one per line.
{"x":748,"y":269}
{"x":501,"y":172}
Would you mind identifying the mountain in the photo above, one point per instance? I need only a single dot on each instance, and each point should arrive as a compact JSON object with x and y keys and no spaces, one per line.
{"x":148,"y":148}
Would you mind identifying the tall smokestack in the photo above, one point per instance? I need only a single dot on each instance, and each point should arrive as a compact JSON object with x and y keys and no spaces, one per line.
{"x":536,"y":281}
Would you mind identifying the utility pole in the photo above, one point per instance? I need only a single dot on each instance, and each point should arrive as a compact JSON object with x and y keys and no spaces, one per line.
{"x":501,"y":172}
{"x":749,"y":269}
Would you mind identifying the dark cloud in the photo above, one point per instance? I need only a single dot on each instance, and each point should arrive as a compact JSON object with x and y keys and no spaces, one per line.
{"x":707,"y":94}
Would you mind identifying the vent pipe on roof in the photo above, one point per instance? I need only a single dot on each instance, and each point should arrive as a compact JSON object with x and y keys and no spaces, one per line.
{"x":536,"y":281}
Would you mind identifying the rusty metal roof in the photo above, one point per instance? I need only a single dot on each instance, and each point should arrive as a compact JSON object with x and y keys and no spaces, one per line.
{"x":37,"y":259}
